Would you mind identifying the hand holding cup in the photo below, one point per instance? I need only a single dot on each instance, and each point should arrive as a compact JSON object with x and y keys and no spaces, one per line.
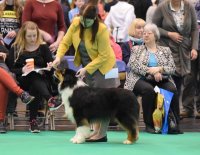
{"x":29,"y":66}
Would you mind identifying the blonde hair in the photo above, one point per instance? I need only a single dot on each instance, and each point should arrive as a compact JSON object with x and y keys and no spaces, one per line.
{"x":20,"y":42}
{"x":17,"y":8}
{"x":137,"y":21}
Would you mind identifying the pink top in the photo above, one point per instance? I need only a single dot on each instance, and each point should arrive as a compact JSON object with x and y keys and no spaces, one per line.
{"x":116,"y":48}
{"x":48,"y":16}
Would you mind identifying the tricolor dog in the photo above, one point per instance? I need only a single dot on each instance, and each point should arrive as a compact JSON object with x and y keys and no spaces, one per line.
{"x":84,"y":105}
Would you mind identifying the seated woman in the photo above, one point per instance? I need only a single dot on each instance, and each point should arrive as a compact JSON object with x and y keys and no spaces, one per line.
{"x":7,"y":83}
{"x":155,"y":61}
{"x":136,"y":31}
{"x":28,"y":45}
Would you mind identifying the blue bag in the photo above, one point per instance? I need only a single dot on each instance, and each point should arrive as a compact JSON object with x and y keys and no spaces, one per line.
{"x":167,"y":101}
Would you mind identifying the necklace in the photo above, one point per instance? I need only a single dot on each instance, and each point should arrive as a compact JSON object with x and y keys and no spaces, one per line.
{"x":43,"y":3}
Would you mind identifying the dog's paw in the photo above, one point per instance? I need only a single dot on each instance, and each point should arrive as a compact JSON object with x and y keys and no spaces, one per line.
{"x":78,"y":140}
{"x":127,"y":142}
{"x":72,"y":139}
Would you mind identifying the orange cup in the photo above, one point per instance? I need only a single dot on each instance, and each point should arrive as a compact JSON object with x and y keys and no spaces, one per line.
{"x":30,"y":62}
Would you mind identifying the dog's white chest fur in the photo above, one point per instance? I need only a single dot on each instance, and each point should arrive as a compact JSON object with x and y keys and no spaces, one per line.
{"x":66,"y":93}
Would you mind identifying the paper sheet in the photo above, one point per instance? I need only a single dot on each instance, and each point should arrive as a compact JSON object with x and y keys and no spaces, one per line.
{"x":113,"y":73}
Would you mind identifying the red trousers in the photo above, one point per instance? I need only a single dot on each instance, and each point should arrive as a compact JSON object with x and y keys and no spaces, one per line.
{"x":7,"y":83}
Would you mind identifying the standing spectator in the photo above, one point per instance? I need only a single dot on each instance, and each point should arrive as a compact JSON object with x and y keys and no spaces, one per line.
{"x":66,"y":8}
{"x":90,"y":38}
{"x":151,"y":10}
{"x":118,"y":21}
{"x":141,"y":7}
{"x":102,"y":13}
{"x":48,"y":15}
{"x":177,"y":23}
{"x":197,"y":64}
{"x":10,"y":17}
{"x":109,"y":4}
{"x":75,"y":12}
{"x":197,"y":8}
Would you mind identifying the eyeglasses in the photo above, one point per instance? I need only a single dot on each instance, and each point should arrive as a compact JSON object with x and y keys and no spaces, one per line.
{"x":147,"y":33}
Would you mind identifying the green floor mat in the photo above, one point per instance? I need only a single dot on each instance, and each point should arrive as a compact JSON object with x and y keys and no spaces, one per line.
{"x":57,"y":143}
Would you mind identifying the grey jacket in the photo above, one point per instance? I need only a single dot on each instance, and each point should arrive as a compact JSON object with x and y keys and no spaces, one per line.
{"x":180,"y":51}
{"x":138,"y":64}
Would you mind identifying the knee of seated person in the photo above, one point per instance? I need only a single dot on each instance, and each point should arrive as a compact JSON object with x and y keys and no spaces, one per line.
{"x":149,"y":90}
{"x":172,"y":89}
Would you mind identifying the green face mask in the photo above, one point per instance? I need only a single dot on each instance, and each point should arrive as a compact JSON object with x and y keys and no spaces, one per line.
{"x":86,"y":22}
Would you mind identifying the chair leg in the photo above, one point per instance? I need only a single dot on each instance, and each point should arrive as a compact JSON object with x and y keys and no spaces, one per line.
{"x":52,"y":120}
{"x":10,"y":119}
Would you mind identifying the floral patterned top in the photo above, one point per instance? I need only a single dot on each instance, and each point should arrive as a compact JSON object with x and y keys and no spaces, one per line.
{"x":178,"y":16}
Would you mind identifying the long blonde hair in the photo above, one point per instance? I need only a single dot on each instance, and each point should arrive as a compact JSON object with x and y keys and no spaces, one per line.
{"x":20,"y":42}
{"x":17,"y":8}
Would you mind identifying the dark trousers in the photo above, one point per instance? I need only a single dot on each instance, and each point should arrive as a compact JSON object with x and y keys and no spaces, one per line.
{"x":189,"y":83}
{"x":146,"y":90}
{"x":126,"y":51}
{"x":12,"y":102}
{"x":38,"y":87}
{"x":196,"y":70}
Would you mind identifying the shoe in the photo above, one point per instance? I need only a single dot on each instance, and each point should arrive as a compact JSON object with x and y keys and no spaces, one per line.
{"x":26,"y":97}
{"x":175,"y":131}
{"x":103,"y":139}
{"x":54,"y":103}
{"x":197,"y":115}
{"x":186,"y":114}
{"x":2,"y":127}
{"x":34,"y":126}
{"x":150,"y":130}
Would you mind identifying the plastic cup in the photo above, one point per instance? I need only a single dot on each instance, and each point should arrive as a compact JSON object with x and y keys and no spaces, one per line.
{"x":30,"y":62}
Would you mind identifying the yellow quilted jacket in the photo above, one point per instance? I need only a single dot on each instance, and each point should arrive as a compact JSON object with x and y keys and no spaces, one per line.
{"x":100,"y":51}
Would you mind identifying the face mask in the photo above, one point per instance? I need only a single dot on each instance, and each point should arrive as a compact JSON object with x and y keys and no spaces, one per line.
{"x":86,"y":22}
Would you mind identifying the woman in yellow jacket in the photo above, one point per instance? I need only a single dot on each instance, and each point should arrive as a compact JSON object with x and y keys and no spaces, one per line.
{"x":90,"y":39}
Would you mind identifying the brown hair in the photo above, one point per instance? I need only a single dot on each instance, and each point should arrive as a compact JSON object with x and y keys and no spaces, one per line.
{"x":90,"y":11}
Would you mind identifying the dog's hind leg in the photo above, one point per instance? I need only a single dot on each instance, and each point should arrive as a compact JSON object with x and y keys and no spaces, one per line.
{"x":82,"y":131}
{"x":130,"y":124}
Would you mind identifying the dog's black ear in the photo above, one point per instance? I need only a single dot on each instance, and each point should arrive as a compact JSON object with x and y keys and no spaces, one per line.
{"x":70,"y":79}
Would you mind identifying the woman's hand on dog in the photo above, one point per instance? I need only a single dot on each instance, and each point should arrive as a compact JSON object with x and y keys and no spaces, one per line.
{"x":49,"y":65}
{"x":81,"y":73}
{"x":56,"y":62}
